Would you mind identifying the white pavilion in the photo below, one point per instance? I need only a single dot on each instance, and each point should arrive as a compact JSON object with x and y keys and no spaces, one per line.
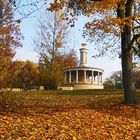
{"x":83,"y":76}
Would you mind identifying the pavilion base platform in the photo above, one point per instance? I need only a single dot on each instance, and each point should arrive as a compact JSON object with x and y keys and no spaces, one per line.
{"x":81,"y":87}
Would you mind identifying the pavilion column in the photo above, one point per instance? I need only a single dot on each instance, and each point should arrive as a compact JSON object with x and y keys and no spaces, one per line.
{"x":65,"y":77}
{"x":98,"y":78}
{"x":70,"y":77}
{"x":92,"y":77}
{"x":84,"y":76}
{"x":101,"y":78}
{"x":76,"y":76}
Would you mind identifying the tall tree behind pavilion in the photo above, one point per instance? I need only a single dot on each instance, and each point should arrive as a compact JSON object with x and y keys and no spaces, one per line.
{"x":51,"y":44}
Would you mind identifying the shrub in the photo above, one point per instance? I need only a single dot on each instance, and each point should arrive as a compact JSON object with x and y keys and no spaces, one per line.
{"x":51,"y":85}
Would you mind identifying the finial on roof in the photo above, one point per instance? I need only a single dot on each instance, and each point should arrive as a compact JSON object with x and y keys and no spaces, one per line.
{"x":84,"y":43}
{"x":83,"y":55}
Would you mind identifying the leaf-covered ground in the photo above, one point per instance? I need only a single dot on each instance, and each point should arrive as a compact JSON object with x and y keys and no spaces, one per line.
{"x":68,"y":116}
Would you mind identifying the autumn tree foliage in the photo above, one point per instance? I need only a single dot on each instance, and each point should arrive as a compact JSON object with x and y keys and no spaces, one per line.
{"x":11,"y":14}
{"x":62,"y":61}
{"x":25,"y":74}
{"x":10,"y":37}
{"x":116,"y":25}
{"x":51,"y":45}
{"x":114,"y":81}
{"x":70,"y":59}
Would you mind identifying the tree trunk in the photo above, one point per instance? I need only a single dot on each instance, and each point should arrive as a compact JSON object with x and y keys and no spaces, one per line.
{"x":0,"y":8}
{"x":127,"y":53}
{"x":127,"y":71}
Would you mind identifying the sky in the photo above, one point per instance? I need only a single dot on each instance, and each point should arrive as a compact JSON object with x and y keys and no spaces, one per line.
{"x":28,"y":29}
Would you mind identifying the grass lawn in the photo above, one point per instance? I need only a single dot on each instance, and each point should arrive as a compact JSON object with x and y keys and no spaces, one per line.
{"x":68,"y":115}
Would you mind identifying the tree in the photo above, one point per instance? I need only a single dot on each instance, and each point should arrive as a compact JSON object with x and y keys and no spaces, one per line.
{"x":118,"y":18}
{"x":65,"y":60}
{"x":108,"y":84}
{"x":116,"y":78}
{"x":137,"y":78}
{"x":26,"y":73}
{"x":10,"y":37}
{"x":51,"y":43}
{"x":22,"y":74}
{"x":15,"y":69}
{"x":114,"y":81}
{"x":70,"y":59}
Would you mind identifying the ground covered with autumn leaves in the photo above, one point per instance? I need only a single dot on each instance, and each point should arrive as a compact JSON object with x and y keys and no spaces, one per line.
{"x":69,"y":115}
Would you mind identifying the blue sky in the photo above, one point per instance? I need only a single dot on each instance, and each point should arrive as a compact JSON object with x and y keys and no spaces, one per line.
{"x":28,"y":29}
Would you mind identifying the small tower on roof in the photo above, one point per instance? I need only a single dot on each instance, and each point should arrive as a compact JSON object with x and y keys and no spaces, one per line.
{"x":83,"y":55}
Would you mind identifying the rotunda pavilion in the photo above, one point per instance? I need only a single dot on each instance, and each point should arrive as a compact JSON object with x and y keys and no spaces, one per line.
{"x":83,"y":76}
